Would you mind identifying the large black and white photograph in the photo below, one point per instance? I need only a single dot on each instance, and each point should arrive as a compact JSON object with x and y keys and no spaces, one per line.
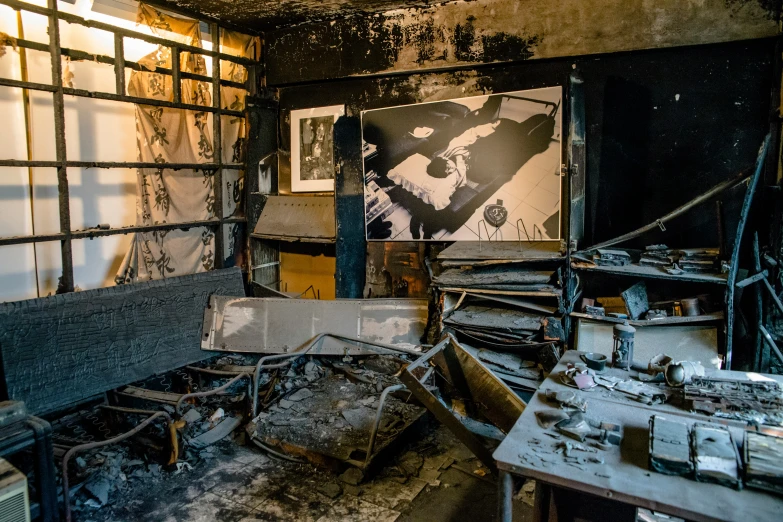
{"x":312,"y":148}
{"x":483,"y":167}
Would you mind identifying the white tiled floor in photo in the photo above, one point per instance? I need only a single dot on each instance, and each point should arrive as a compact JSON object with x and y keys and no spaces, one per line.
{"x":532,"y":194}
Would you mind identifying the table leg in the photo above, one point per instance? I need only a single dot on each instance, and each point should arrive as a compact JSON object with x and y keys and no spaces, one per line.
{"x":543,"y":497}
{"x":505,"y":496}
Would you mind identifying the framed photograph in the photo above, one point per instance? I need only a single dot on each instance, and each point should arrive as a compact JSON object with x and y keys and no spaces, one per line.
{"x":312,"y":148}
{"x":484,"y":167}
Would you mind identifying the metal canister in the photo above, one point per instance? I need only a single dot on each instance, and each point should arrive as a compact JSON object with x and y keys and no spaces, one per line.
{"x":690,"y":306}
{"x":622,"y":351}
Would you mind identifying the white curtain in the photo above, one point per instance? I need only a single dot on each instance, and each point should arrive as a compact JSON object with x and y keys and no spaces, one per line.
{"x":180,"y":136}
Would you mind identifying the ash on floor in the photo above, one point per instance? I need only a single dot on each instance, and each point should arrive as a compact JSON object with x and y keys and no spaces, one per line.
{"x":434,"y":479}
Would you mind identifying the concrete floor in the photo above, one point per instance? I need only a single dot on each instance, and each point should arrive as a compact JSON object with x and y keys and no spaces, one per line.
{"x":241,"y":484}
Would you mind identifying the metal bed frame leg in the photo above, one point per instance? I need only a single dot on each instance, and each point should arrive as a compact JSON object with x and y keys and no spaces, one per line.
{"x":44,"y":470}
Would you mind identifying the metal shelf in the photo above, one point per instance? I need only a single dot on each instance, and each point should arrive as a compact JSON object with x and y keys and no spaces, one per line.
{"x":652,"y":273}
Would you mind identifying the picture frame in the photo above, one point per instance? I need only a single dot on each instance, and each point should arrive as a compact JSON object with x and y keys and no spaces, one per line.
{"x":312,"y":148}
{"x":486,"y":167}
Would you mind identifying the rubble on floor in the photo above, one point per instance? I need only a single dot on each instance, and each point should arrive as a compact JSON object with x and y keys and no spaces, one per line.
{"x":329,"y":420}
{"x":434,"y":479}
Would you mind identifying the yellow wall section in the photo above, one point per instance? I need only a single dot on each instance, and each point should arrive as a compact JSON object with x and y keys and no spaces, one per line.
{"x":299,"y":270}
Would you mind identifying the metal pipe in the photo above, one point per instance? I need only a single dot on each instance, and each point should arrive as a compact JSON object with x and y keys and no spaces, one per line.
{"x":96,"y":232}
{"x":98,"y":444}
{"x":389,"y":389}
{"x":261,"y":362}
{"x":276,"y":453}
{"x":378,"y":414}
{"x":207,"y":393}
{"x":758,"y":344}
{"x":210,"y":371}
{"x":770,"y":342}
{"x":117,"y":164}
{"x":734,"y":261}
{"x":172,"y":429}
{"x":714,"y":191}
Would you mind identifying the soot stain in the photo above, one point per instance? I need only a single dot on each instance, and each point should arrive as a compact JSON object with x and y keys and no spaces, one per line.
{"x":503,"y":46}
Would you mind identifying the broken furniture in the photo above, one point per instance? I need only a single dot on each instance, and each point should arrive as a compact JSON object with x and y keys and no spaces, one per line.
{"x":101,"y":339}
{"x":20,"y":431}
{"x":620,"y":474}
{"x":332,"y":448}
{"x":113,"y":440}
{"x":504,"y":295}
{"x":285,"y":220}
{"x":477,"y":407}
{"x":339,"y":419}
{"x":275,"y":325}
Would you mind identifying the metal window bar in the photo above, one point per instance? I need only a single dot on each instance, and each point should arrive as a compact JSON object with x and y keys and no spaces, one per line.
{"x":73,"y":19}
{"x":75,"y":54}
{"x":58,"y":101}
{"x":66,"y":235}
{"x":217,"y":147}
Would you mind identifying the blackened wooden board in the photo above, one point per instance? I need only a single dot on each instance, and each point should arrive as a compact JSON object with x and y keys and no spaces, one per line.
{"x":58,"y":351}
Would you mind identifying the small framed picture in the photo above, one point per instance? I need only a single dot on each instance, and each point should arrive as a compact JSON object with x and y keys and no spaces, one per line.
{"x":312,"y":148}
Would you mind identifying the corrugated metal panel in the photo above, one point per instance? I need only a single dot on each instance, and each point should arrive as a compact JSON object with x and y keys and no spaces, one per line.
{"x":297,"y":218}
{"x":276,"y":325}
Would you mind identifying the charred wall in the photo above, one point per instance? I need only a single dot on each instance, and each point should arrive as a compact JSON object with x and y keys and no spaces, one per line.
{"x":662,"y":125}
{"x":484,"y":31}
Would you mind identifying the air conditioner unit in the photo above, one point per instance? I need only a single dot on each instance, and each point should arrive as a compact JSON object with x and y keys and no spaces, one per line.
{"x":14,"y":502}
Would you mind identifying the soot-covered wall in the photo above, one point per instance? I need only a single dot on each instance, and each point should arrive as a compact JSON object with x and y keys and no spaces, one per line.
{"x":482,"y":31}
{"x":662,"y":125}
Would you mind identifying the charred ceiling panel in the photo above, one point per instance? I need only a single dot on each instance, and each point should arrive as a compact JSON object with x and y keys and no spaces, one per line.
{"x":263,"y":15}
{"x":504,"y":30}
{"x":697,"y":116}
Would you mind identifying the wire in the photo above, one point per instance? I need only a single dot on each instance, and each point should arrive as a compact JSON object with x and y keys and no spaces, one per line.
{"x":276,"y":453}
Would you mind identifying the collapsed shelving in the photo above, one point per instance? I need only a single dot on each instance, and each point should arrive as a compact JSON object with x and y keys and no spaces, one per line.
{"x":503,"y":295}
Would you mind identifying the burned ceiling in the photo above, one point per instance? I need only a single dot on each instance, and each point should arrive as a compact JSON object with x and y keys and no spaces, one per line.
{"x":264,"y":15}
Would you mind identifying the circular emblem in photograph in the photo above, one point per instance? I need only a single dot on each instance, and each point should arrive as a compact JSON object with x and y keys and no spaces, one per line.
{"x":496,"y":214}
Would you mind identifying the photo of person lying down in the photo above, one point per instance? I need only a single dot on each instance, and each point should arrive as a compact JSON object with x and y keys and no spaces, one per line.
{"x":454,"y":170}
